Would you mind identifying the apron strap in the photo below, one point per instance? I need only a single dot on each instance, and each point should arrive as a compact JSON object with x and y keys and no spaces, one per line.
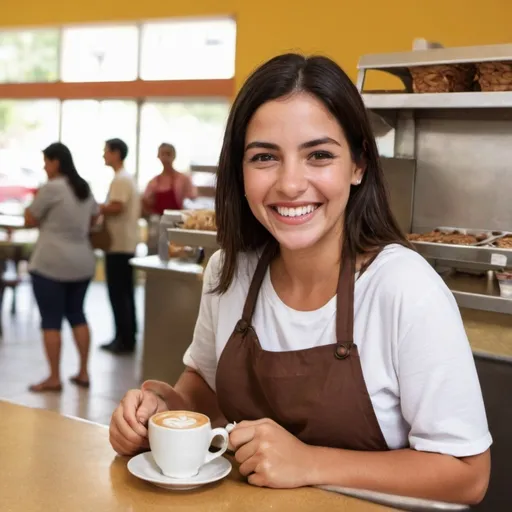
{"x":345,"y":301}
{"x":252,"y":296}
{"x":345,"y":304}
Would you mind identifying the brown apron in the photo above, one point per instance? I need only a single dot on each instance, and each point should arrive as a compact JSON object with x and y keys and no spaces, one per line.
{"x":318,"y":394}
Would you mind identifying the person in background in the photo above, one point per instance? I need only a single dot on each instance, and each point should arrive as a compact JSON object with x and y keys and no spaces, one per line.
{"x":170,"y":188}
{"x":121,"y":213}
{"x":63,"y":261}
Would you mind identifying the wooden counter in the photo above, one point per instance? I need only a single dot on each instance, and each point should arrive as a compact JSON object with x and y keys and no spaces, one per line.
{"x":52,"y":463}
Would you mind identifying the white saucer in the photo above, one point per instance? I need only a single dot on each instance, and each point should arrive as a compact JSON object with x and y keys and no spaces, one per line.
{"x":143,"y":466}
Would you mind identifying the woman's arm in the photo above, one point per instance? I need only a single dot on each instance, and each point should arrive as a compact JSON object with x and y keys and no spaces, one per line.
{"x":189,"y":189}
{"x":404,"y":472}
{"x":44,"y":199}
{"x":272,"y":457}
{"x":30,"y":220}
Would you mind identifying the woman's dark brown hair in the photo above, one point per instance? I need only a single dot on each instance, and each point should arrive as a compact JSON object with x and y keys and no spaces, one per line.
{"x":61,"y":153}
{"x":369,"y":223}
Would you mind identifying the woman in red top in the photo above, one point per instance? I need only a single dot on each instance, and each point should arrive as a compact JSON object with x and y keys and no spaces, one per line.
{"x":170,"y":188}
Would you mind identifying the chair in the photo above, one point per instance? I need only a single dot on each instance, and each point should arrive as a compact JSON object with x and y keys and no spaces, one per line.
{"x":9,"y":279}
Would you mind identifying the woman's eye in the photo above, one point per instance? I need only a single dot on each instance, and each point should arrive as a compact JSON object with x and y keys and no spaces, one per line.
{"x":321,"y":155}
{"x":262,"y":157}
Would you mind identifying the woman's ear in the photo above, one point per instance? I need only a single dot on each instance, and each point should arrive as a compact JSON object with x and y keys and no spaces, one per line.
{"x":358,"y":172}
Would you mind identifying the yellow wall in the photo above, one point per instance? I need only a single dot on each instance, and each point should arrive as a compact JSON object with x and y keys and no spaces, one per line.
{"x":342,"y":29}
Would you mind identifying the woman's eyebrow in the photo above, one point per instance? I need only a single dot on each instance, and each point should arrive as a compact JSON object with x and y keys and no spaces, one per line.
{"x":262,"y":145}
{"x":318,"y":142}
{"x":304,"y":145}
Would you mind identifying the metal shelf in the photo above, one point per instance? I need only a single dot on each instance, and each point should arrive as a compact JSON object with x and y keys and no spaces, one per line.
{"x":483,"y":302}
{"x":481,"y":293}
{"x":456,"y":55}
{"x":378,"y":101}
{"x":399,"y":64}
{"x":491,"y":258}
{"x":193,"y":238}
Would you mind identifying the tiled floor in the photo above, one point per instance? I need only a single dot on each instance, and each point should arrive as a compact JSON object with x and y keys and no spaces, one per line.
{"x":22,"y":360}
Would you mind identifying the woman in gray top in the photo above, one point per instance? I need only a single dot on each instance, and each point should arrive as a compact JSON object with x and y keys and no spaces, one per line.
{"x":63,"y":261}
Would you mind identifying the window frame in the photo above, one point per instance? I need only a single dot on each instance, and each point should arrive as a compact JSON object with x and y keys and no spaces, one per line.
{"x":164,"y":21}
{"x":138,"y":90}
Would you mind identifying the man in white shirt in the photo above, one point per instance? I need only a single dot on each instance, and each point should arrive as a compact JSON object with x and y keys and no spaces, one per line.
{"x":122,"y":212}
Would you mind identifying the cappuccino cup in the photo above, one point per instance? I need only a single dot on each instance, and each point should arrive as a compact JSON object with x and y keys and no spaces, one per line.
{"x":180,"y":442}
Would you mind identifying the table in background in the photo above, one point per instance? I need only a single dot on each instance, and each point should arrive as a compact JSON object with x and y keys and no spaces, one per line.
{"x":49,"y":462}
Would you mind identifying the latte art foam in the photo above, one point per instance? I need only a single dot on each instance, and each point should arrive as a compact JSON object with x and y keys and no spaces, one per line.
{"x":179,"y":422}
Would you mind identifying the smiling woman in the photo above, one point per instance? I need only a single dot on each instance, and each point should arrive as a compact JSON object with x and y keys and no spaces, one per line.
{"x":319,"y":327}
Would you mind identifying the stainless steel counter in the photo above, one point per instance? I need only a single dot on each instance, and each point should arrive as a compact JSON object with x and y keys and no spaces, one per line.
{"x":172,"y":297}
{"x":490,"y":334}
{"x":180,"y":269}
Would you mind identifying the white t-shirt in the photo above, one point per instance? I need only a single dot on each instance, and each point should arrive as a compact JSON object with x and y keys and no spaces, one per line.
{"x":416,"y":358}
{"x":124,"y":228}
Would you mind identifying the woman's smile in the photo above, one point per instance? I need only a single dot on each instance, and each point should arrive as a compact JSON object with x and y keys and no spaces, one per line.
{"x":294,"y":214}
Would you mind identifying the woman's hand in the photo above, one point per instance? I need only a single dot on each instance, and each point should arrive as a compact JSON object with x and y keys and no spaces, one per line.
{"x":128,"y":426}
{"x":269,"y":455}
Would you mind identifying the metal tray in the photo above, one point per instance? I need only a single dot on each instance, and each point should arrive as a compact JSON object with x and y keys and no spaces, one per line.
{"x":488,"y":236}
{"x":193,"y":238}
{"x":495,"y":239}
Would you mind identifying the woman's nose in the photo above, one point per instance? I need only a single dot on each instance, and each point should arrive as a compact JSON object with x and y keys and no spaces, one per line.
{"x":292,"y":180}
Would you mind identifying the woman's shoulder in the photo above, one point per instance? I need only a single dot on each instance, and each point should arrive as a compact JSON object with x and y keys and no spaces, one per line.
{"x":400,"y":271}
{"x":59,"y":183}
{"x":245,"y":266}
{"x":393,"y":256}
{"x":54,"y":191}
{"x":154,"y":180}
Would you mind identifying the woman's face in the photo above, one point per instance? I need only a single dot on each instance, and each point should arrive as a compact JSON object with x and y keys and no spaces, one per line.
{"x":166,"y":155}
{"x":298,"y":170}
{"x":51,"y":167}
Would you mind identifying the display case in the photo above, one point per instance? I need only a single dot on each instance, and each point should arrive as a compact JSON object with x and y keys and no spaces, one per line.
{"x":458,"y":147}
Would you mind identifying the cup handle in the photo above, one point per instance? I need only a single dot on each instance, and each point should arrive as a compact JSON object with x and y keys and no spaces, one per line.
{"x":217,"y":432}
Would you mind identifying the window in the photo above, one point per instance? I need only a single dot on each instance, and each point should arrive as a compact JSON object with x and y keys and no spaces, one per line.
{"x":86,"y":125}
{"x":195,"y":129}
{"x":29,"y":56}
{"x":99,"y":54}
{"x":184,"y":49}
{"x":26,"y":128}
{"x":144,"y":82}
{"x":188,"y":49}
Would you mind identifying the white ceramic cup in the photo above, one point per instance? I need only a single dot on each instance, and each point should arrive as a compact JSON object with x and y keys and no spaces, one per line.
{"x":181,"y":452}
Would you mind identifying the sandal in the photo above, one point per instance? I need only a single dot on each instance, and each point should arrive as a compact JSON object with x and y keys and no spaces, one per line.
{"x":43,"y":387}
{"x":80,"y":383}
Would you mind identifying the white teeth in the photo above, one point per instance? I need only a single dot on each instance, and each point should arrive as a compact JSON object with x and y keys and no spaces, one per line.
{"x":296,"y":212}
